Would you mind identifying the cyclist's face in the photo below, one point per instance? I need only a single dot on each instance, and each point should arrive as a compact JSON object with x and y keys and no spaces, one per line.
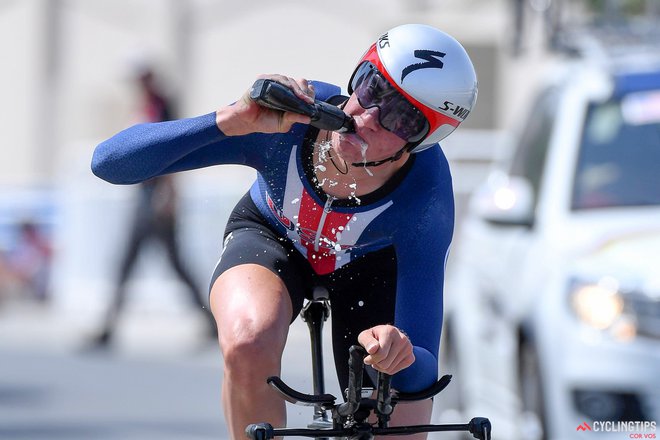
{"x":381,"y":143}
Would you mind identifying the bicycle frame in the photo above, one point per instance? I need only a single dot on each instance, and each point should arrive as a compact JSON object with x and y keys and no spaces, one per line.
{"x":350,"y":418}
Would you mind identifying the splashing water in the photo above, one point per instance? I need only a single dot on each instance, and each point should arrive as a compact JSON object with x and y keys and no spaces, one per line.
{"x":353,"y":187}
{"x":324,"y":148}
{"x":363,"y":148}
{"x":324,"y":155}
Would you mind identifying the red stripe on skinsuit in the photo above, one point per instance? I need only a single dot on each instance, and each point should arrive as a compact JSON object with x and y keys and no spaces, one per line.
{"x":324,"y":260}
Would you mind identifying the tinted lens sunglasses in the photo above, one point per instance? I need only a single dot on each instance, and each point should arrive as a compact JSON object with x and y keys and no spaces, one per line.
{"x":396,"y":113}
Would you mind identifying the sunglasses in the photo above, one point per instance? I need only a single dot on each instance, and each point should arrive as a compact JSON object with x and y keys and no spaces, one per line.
{"x":396,"y":114}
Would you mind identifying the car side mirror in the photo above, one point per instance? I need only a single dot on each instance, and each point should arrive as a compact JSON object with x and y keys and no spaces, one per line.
{"x":504,"y":200}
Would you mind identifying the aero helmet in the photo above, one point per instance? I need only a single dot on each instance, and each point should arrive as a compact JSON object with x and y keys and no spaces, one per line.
{"x":431,"y":70}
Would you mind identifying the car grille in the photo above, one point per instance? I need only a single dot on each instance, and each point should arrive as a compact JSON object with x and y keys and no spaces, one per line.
{"x":647,"y":313}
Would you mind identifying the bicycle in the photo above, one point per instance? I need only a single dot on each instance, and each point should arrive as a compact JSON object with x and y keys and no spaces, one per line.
{"x":349,"y":419}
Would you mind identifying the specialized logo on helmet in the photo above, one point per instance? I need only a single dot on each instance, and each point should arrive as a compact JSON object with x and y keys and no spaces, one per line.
{"x":431,"y":61}
{"x":384,"y":41}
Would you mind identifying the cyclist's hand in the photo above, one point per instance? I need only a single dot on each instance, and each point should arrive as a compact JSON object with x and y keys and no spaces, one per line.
{"x":246,"y":116}
{"x":390,"y":350}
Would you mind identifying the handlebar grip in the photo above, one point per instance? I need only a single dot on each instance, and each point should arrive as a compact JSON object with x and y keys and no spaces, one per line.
{"x":480,"y":428}
{"x":354,"y":392}
{"x":260,"y":431}
{"x":384,"y":399}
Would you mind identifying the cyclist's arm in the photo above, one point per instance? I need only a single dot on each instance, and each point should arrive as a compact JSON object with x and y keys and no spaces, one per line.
{"x":144,"y":151}
{"x":148,"y":150}
{"x":421,"y":251}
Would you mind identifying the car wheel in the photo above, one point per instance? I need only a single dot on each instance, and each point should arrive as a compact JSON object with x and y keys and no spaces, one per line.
{"x":533,"y":424}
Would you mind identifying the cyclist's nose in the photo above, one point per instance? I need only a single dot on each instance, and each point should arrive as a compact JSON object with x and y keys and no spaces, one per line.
{"x":370,"y":118}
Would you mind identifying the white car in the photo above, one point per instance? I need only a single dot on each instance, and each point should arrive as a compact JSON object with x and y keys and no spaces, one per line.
{"x":553,"y":299}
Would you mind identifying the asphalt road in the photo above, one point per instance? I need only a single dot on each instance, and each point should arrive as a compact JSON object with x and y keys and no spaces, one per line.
{"x":53,"y":388}
{"x":160,"y":380}
{"x":102,"y":396}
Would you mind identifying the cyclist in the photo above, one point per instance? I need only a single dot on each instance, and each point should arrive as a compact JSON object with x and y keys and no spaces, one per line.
{"x":367,"y":215}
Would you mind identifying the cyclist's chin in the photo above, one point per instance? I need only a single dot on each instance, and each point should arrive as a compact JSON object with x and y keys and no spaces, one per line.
{"x":352,"y":147}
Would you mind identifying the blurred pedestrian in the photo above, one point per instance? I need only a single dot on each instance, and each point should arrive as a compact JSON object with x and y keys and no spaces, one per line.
{"x":155,"y":219}
{"x":26,"y":267}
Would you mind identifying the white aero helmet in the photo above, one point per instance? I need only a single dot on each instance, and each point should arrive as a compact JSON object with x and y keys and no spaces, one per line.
{"x":430,"y":69}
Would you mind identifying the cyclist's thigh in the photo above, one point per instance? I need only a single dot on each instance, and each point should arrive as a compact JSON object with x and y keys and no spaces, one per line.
{"x":251,"y":305}
{"x":248,"y":292}
{"x":362,"y":295}
{"x":249,"y":240}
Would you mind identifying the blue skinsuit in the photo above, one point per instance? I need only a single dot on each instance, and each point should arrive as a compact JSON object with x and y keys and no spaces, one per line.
{"x":416,"y":217}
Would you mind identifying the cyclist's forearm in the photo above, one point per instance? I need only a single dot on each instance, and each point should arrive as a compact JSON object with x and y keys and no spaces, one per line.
{"x":420,"y":375}
{"x":146,"y":150}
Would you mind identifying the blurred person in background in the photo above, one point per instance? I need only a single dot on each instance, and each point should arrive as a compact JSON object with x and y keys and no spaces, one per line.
{"x":155,"y":218}
{"x":25,"y":269}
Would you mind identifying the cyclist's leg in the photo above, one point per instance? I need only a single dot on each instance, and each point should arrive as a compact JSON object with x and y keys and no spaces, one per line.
{"x":257,"y":289}
{"x":253,"y":310}
{"x":363,"y":295}
{"x":412,"y":413}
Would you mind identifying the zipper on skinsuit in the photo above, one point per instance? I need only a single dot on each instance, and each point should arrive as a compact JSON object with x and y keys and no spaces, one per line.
{"x":324,"y":214}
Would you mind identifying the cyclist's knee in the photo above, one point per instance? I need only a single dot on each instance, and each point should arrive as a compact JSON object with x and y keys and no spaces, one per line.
{"x":249,"y":352}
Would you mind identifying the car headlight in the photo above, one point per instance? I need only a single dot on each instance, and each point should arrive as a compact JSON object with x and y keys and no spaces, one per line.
{"x":599,"y":305}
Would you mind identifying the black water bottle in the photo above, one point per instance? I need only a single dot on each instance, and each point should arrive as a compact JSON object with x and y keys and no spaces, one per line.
{"x":271,"y":94}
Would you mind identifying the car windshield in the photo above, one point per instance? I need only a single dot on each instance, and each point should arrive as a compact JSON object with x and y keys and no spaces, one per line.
{"x":619,"y":159}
